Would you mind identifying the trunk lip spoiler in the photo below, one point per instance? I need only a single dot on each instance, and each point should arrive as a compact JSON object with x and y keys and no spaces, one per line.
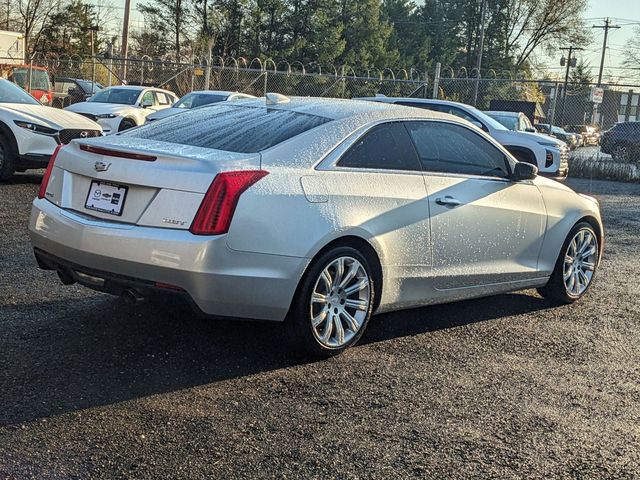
{"x":116,"y":153}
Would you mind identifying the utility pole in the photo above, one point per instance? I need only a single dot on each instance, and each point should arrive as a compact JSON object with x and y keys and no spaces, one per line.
{"x":125,"y":40}
{"x":480,"y":49}
{"x":571,"y":62}
{"x":607,"y":25}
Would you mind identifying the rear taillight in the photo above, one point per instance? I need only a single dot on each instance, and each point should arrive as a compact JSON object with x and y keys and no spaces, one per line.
{"x":47,"y":173}
{"x":216,"y":211}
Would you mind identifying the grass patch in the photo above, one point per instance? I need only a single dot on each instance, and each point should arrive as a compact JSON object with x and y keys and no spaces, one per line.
{"x":602,"y":167}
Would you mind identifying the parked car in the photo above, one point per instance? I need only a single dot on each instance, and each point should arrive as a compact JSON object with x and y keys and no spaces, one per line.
{"x":34,"y":80}
{"x":67,"y":91}
{"x":30,"y":131}
{"x":318,"y":211}
{"x":622,"y":142}
{"x":549,"y":155}
{"x":571,"y":139}
{"x":590,"y":133}
{"x":516,"y":121}
{"x":119,"y":108}
{"x":197,"y":99}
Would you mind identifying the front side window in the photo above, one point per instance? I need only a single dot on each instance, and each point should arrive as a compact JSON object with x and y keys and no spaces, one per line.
{"x":449,"y":148}
{"x":385,"y":146}
{"x":147,"y":98}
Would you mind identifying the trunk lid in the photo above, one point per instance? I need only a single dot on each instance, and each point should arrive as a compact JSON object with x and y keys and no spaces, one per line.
{"x":165,"y":182}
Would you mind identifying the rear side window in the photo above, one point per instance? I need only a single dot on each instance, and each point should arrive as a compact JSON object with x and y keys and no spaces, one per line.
{"x":448,"y":148}
{"x":386,"y":146}
{"x":232,"y":128}
{"x":162,"y":98}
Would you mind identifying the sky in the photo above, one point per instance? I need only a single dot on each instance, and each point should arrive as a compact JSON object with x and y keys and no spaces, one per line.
{"x":624,"y":13}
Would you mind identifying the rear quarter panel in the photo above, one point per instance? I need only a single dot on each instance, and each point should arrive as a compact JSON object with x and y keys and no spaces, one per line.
{"x":564,"y":209}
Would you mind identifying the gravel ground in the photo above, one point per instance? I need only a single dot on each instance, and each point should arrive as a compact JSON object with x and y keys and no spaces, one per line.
{"x":507,"y":386}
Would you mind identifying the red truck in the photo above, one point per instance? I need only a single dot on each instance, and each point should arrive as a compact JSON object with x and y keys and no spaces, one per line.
{"x":34,"y":80}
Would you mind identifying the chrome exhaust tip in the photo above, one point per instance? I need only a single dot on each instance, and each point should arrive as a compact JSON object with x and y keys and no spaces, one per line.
{"x":132,"y":296}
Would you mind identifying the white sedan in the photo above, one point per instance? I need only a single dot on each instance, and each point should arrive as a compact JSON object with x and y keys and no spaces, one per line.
{"x":119,"y":108}
{"x":315,"y":211}
{"x":30,"y":132}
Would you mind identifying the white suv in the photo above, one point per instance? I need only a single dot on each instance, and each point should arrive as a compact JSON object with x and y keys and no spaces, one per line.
{"x":550,"y":155}
{"x":123,"y":107}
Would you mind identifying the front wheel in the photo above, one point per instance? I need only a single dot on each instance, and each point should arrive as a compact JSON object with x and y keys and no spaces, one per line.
{"x":126,"y":124}
{"x":575,"y":267}
{"x":333,"y":304}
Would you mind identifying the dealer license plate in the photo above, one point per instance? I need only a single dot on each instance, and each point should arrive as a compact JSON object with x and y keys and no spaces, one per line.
{"x":106,"y":197}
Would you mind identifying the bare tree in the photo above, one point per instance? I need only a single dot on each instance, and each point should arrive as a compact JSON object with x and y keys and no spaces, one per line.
{"x":32,"y":16}
{"x":533,"y":24}
{"x":632,"y":62}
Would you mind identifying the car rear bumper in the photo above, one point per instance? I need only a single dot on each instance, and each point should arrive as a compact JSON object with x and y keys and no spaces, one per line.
{"x":220,"y":281}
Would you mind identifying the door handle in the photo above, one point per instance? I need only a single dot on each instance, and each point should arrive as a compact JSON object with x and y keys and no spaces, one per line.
{"x":448,"y":201}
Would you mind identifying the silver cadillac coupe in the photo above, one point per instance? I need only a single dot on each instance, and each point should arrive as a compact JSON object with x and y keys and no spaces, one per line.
{"x":316,"y":211}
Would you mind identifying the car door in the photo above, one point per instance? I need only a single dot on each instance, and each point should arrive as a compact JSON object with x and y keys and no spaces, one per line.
{"x":380,"y":190}
{"x":485,"y":228}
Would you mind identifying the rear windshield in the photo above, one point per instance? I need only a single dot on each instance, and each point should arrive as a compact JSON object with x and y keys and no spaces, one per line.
{"x":230,"y":127}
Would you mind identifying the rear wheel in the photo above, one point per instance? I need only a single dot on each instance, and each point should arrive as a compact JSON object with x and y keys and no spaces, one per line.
{"x":6,"y":159}
{"x":575,"y":267}
{"x":334,"y":303}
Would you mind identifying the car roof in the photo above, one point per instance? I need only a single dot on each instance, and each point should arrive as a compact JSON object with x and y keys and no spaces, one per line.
{"x":336,"y":109}
{"x":503,"y":113}
{"x":385,"y":99}
{"x":212,"y":92}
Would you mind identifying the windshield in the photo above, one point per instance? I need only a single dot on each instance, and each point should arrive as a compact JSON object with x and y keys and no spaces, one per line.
{"x":86,"y":86}
{"x":193,"y":100}
{"x":11,"y":93}
{"x":558,"y":130}
{"x":228,"y":127}
{"x":508,"y":121}
{"x":123,"y":96}
{"x":39,"y":78}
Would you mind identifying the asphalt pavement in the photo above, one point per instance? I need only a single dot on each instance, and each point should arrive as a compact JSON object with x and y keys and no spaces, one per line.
{"x":501,"y":387}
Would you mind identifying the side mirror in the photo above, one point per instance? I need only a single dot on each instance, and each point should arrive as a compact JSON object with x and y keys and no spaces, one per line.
{"x":147,"y":104}
{"x":524,"y":171}
{"x":531,"y":130}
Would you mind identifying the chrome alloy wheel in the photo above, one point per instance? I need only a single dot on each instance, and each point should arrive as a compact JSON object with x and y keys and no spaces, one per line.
{"x":340,"y":302}
{"x":580,"y":262}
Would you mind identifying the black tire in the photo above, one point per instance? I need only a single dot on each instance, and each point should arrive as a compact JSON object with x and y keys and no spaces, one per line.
{"x":303,"y":337}
{"x":556,"y":289}
{"x":126,"y":124}
{"x":7,"y":159}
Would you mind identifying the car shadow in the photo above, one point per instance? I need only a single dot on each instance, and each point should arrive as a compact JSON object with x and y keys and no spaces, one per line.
{"x":26,"y":178}
{"x":97,"y":351}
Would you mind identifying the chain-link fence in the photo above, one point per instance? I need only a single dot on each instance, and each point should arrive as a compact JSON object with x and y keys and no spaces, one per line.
{"x":549,"y":104}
